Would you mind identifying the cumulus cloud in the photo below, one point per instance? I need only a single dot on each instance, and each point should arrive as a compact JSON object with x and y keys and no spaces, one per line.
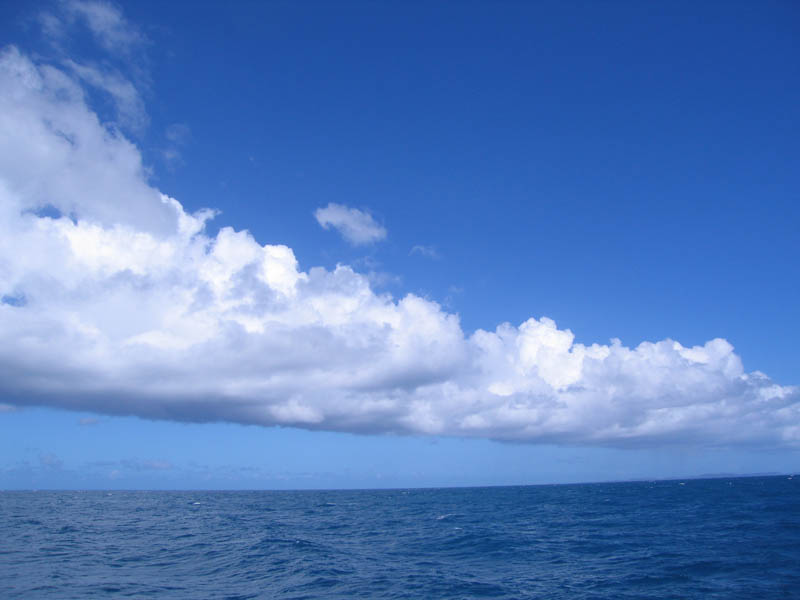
{"x":356,"y":226}
{"x":55,"y":152}
{"x":124,"y":304}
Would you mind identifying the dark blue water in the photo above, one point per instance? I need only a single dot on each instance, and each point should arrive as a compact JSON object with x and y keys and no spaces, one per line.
{"x":722,"y":538}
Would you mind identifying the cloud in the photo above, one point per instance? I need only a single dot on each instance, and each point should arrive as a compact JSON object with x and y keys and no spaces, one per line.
{"x":372,"y":269}
{"x":107,"y":23}
{"x":176,"y":134}
{"x":131,"y":307}
{"x":357,"y":227}
{"x":427,"y":251}
{"x":146,"y":465}
{"x":48,"y":460}
{"x":120,"y":73}
{"x":55,"y":153}
{"x":88,"y":421}
{"x":127,"y":101}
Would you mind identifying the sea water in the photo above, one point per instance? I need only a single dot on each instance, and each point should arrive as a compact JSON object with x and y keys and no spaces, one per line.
{"x":720,"y":538}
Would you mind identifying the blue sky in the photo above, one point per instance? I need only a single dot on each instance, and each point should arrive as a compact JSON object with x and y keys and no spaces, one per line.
{"x":412,"y":178}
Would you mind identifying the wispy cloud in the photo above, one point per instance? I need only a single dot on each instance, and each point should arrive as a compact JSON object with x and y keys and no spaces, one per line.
{"x":118,"y":468}
{"x":107,"y":23}
{"x":129,"y":104}
{"x":146,"y":465}
{"x":176,"y":134}
{"x":356,"y":226}
{"x":48,"y":460}
{"x":131,"y":307}
{"x":427,"y":251}
{"x":121,"y":72}
{"x":375,"y":273}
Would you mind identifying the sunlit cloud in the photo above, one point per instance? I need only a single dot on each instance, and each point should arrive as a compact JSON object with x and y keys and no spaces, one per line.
{"x":356,"y":226}
{"x":123,"y":303}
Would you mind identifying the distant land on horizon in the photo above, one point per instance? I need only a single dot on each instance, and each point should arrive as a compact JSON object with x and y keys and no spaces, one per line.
{"x":451,"y":487}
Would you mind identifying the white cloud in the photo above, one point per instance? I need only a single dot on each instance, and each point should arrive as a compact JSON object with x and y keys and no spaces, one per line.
{"x":54,"y":151}
{"x":125,"y":305}
{"x":356,"y":226}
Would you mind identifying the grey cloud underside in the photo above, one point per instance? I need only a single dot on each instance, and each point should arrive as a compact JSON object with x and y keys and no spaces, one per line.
{"x":131,"y":308}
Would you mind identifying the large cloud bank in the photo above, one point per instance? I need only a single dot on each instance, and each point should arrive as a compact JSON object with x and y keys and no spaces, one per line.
{"x":116,"y":300}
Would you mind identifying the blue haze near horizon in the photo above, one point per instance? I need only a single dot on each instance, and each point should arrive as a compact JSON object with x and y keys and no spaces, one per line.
{"x":629,"y":170}
{"x":59,"y":450}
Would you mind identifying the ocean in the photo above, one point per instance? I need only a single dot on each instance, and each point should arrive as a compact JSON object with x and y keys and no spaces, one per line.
{"x":713,"y":538}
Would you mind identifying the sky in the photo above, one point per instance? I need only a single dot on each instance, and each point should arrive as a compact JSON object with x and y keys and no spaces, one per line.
{"x":271,"y":245}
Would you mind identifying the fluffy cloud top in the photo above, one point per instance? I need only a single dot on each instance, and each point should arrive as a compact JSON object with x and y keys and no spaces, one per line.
{"x":356,"y":226}
{"x":116,"y":300}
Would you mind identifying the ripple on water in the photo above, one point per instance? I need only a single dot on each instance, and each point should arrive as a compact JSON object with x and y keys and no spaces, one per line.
{"x":706,"y":539}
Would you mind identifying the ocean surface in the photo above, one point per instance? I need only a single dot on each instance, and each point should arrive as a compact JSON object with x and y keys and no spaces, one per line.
{"x":720,"y":538}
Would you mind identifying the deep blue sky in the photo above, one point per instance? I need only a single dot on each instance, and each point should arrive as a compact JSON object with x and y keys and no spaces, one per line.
{"x":627,"y":169}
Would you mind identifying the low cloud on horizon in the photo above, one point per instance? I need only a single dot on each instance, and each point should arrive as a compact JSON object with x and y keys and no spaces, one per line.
{"x":116,"y":300}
